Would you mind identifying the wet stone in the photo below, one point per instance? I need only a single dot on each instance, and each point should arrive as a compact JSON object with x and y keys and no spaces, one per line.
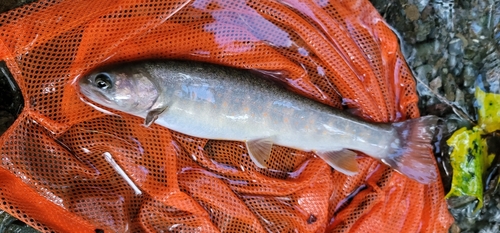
{"x":455,"y":47}
{"x":426,"y":12}
{"x":469,"y":75}
{"x":424,"y":73}
{"x":496,"y":34}
{"x":424,"y":30}
{"x":454,"y":228}
{"x":6,"y":120}
{"x":465,"y":43}
{"x":425,"y":50}
{"x":452,"y":60}
{"x":441,"y":64}
{"x":464,"y":4}
{"x":459,"y":97}
{"x":412,"y":12}
{"x":449,"y":87}
{"x":476,"y":29}
{"x":6,"y":5}
{"x":470,"y":51}
{"x":492,"y":61}
{"x":457,"y":70}
{"x":11,"y":100}
{"x":421,"y":4}
{"x":435,"y":84}
{"x":465,"y":39}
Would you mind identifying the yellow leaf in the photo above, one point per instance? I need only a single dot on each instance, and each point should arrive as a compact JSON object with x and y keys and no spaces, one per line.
{"x":469,"y":160}
{"x":488,"y":110}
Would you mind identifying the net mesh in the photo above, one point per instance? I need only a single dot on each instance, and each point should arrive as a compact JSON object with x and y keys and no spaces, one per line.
{"x":54,"y":175}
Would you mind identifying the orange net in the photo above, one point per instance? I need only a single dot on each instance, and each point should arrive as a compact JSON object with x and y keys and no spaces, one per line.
{"x":54,"y":175}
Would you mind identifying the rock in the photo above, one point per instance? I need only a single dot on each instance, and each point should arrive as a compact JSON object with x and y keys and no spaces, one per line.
{"x":440,"y":64}
{"x":490,"y":229}
{"x":469,"y":75}
{"x":435,"y":84}
{"x":454,"y":41}
{"x":433,"y":101}
{"x":423,"y":90}
{"x":426,"y":12}
{"x":456,"y":47}
{"x":465,"y":43}
{"x":423,"y":30}
{"x":452,"y":60}
{"x":454,"y":228}
{"x":496,"y":34}
{"x":457,"y":71}
{"x":421,"y":4}
{"x":10,"y":4}
{"x":412,"y":12}
{"x":424,"y":73}
{"x":470,"y":51}
{"x":425,"y":50}
{"x":459,"y":97}
{"x":449,"y":87}
{"x":439,"y":109}
{"x":476,"y":29}
{"x":6,"y":119}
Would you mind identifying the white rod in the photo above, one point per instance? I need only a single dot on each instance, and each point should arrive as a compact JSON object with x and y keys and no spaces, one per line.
{"x":122,"y":173}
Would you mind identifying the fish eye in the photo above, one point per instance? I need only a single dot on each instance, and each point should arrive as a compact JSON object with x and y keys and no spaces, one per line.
{"x":103,"y":81}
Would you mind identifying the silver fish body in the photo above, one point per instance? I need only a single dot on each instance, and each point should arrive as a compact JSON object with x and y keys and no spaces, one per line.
{"x":222,"y":103}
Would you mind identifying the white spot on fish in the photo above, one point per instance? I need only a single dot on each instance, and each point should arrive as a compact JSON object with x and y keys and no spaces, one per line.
{"x":238,"y":117}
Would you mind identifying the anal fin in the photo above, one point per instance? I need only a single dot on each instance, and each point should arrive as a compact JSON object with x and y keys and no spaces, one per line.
{"x":260,"y":150}
{"x":342,"y":160}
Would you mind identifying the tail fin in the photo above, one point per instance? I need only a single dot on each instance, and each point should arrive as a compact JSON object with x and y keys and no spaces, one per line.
{"x":412,"y":154}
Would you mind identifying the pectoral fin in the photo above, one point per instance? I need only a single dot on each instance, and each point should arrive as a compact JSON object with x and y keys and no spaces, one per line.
{"x":153,"y":115}
{"x":260,"y":150}
{"x":343,"y":160}
{"x":159,"y":106}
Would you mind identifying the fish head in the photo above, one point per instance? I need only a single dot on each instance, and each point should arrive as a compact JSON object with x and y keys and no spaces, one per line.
{"x":125,"y":89}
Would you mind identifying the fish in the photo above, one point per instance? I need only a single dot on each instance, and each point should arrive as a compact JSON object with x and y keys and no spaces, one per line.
{"x":222,"y":103}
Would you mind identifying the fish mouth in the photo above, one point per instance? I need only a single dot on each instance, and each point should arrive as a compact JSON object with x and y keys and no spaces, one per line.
{"x":96,"y":96}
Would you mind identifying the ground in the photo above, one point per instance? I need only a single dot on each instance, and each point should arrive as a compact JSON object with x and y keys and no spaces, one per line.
{"x":450,"y":45}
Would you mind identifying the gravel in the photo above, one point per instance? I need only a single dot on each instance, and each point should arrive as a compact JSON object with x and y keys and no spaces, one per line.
{"x":449,"y":46}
